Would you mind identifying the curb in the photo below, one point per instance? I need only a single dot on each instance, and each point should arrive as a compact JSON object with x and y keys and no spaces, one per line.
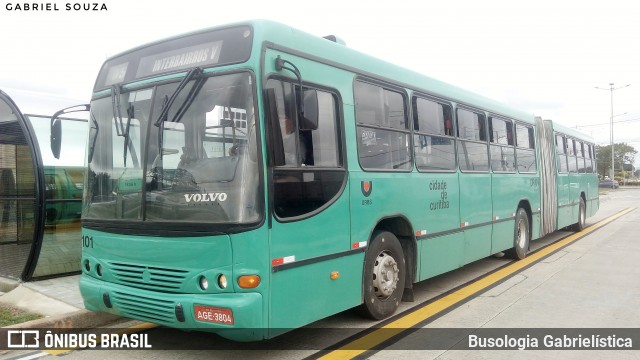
{"x":7,"y":285}
{"x":81,"y":319}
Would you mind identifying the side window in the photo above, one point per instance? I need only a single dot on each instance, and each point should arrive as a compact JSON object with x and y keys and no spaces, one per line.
{"x":293,"y":141}
{"x":561,"y":153}
{"x":433,"y":141}
{"x":503,"y":155}
{"x":590,"y":158}
{"x":571,"y":155}
{"x":472,"y":131}
{"x":525,"y":149}
{"x":382,"y":128}
{"x":313,"y":172}
{"x":325,"y":138}
{"x":580,"y":147}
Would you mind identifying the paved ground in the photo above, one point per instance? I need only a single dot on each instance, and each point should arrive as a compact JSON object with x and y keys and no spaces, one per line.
{"x":592,"y":284}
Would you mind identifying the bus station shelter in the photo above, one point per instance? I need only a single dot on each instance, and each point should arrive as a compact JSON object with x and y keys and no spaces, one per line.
{"x":40,"y":196}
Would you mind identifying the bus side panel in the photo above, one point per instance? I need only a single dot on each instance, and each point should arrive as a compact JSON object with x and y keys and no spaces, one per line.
{"x":440,"y":195}
{"x":508,"y":191}
{"x":505,"y":196}
{"x":305,"y":294}
{"x":475,"y":215}
{"x":440,"y":254}
{"x":565,"y":211}
{"x":301,"y":286}
{"x":593,"y":201}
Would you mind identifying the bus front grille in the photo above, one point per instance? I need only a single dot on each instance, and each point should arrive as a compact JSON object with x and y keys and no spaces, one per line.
{"x":144,"y":308}
{"x":149,"y":277}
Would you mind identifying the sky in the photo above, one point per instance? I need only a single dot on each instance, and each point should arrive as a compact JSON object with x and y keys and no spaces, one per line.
{"x":546,"y":57}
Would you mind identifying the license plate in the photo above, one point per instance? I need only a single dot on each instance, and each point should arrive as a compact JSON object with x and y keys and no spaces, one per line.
{"x":213,"y":314}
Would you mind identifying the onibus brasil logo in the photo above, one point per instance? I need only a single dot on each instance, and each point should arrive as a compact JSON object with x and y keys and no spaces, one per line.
{"x":62,"y":339}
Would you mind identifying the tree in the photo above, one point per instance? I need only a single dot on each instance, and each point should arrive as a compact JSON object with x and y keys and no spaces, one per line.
{"x":624,"y":157}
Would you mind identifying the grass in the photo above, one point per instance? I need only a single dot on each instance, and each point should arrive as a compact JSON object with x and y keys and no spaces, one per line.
{"x":12,"y":316}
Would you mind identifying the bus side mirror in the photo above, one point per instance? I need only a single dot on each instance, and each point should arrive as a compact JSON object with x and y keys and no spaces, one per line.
{"x":56,"y":127}
{"x":56,"y":137}
{"x":310,"y":119}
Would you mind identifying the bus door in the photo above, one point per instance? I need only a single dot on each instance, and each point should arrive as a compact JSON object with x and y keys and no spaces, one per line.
{"x":475,"y":184}
{"x":313,"y":274}
{"x":564,"y":183}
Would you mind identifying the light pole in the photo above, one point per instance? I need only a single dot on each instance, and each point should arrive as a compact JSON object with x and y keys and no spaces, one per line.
{"x":611,"y":89}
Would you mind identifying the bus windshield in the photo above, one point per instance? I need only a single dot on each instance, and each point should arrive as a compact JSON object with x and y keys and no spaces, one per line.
{"x":195,"y":163}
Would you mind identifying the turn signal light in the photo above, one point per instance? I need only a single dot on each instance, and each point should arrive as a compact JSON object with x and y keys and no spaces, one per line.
{"x":249,"y":281}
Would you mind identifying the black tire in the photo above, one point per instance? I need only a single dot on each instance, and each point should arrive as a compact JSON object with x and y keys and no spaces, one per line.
{"x":383,"y":277}
{"x":521,"y":236}
{"x":582,"y":216}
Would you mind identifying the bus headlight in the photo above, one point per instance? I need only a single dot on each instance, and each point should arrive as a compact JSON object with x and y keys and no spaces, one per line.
{"x":222,"y":281}
{"x":204,"y":283}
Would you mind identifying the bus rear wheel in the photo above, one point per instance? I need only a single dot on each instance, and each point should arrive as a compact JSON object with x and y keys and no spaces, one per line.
{"x":521,"y":236}
{"x":384,"y":276}
{"x":582,"y":216}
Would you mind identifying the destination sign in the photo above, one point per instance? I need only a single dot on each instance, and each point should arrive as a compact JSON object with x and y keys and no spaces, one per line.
{"x":116,"y":73}
{"x":204,"y":49}
{"x":180,"y":59}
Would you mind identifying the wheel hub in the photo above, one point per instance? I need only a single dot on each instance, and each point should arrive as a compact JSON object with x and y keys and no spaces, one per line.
{"x":522,"y":235}
{"x":385,"y":275}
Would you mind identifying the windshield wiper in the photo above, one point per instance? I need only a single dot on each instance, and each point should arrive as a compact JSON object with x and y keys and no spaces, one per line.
{"x":189,"y":100}
{"x":127,"y":139}
{"x":167,"y":104}
{"x":115,"y":105}
{"x":121,"y":128}
{"x":93,"y":139}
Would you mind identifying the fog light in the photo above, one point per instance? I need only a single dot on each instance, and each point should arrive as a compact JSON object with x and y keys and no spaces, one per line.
{"x":204,"y":283}
{"x":249,"y":281}
{"x":99,"y":269}
{"x":87,"y":266}
{"x":222,"y":281}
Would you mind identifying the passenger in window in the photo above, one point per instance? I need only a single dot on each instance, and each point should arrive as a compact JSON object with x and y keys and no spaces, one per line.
{"x":236,"y":150}
{"x":289,"y":135}
{"x":448,"y":125}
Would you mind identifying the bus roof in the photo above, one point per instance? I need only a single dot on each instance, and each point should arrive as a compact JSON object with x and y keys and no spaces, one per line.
{"x":369,"y":66}
{"x":572,"y":132}
{"x":337,"y":54}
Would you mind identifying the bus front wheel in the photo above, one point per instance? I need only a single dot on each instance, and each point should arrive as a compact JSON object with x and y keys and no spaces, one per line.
{"x":384,"y":276}
{"x":521,"y":236}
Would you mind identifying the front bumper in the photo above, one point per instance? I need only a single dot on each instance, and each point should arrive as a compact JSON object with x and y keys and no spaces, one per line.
{"x":177,"y":310}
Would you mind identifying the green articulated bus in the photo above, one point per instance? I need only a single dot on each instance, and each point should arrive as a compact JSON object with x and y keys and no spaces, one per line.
{"x":251,"y":179}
